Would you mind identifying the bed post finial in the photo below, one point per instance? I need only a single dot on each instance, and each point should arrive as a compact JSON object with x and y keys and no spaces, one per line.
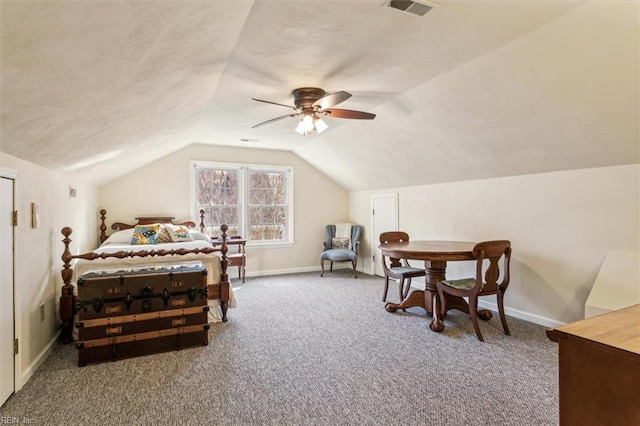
{"x":224,"y":277}
{"x":223,"y":250}
{"x":67,"y":299}
{"x":103,"y":226}
{"x":202,"y":220}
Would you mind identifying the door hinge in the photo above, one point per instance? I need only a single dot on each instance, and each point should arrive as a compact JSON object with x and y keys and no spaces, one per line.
{"x":15,"y":218}
{"x":15,"y":346}
{"x":373,"y":212}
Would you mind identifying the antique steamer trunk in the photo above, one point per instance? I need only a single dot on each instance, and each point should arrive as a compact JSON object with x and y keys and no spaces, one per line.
{"x":128,"y":314}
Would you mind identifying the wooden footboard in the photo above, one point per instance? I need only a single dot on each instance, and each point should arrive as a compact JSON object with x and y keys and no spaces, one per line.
{"x":68,"y":299}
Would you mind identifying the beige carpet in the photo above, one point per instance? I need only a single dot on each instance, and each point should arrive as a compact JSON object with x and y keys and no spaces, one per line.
{"x":305,"y":350}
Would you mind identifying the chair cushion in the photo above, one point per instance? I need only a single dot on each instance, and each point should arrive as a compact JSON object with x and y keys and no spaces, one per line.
{"x":461,"y":284}
{"x":338,"y":255}
{"x":406,"y":270}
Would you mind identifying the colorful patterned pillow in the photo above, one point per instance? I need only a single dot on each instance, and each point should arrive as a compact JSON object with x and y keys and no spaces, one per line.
{"x":145,"y":234}
{"x":163,"y":235}
{"x":179,"y":233}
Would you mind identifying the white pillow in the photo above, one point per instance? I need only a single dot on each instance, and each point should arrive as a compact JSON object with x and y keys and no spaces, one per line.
{"x":120,"y":237}
{"x":197,"y":235}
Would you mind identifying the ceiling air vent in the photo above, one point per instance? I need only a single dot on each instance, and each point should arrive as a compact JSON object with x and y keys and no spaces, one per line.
{"x":419,"y":8}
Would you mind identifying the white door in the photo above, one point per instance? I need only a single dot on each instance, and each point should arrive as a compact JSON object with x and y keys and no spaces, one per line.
{"x":385,"y":218}
{"x":7,"y":384}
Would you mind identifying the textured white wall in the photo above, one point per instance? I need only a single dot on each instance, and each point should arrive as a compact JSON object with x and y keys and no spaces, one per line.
{"x":561,"y":225}
{"x":163,"y":188}
{"x":38,"y":251}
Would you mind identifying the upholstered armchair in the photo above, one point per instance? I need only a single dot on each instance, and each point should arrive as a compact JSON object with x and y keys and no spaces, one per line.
{"x":341,"y":245}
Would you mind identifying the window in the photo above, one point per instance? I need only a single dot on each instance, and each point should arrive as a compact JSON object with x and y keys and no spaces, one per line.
{"x":254,"y":201}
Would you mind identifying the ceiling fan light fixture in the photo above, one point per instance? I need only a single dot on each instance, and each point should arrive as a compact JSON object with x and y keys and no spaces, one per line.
{"x":305,"y":126}
{"x":320,"y":125}
{"x":311,"y":123}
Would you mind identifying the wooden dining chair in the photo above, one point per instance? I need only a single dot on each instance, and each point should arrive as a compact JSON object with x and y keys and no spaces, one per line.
{"x":485,"y":282}
{"x":398,"y":269}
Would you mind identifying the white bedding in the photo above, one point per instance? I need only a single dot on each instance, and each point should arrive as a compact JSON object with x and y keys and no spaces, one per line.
{"x":211,"y":262}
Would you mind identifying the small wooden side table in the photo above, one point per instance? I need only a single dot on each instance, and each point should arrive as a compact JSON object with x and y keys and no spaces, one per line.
{"x":235,"y":258}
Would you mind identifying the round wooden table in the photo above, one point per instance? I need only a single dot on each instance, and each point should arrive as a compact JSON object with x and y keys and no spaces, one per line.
{"x":435,"y":255}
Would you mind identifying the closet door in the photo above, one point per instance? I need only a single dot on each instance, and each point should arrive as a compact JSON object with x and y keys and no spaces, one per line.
{"x":7,"y":359}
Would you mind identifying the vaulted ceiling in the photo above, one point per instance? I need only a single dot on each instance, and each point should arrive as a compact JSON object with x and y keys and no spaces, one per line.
{"x":473,"y":89}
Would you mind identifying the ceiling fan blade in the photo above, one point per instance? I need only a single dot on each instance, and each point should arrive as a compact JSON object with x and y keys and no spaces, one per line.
{"x":274,"y":103}
{"x":347,"y":113}
{"x":331,"y":100}
{"x":273,"y":120}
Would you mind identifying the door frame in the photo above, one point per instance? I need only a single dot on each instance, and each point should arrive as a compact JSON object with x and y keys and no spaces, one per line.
{"x":17,"y":307}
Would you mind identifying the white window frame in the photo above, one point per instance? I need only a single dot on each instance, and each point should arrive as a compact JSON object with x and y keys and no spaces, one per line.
{"x":244,"y":217}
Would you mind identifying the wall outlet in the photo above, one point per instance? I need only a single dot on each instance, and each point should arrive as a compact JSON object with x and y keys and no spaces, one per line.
{"x":42,"y":313}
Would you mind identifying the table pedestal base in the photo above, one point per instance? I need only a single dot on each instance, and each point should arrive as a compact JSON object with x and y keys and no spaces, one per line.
{"x":426,"y":298}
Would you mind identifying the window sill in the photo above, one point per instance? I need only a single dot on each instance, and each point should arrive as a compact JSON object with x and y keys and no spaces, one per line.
{"x":270,"y":244}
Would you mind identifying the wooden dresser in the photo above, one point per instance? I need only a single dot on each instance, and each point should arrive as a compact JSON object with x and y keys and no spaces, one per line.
{"x":128,"y":314}
{"x":600,"y":369}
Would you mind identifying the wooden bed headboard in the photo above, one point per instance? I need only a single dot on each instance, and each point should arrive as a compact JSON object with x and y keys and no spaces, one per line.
{"x":142,"y":220}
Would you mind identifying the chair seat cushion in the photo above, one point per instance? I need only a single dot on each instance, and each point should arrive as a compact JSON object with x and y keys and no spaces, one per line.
{"x":461,"y":284}
{"x":405,"y":270}
{"x":339,"y":255}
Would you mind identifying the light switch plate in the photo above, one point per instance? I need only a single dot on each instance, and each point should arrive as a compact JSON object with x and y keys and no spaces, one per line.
{"x":35,"y":215}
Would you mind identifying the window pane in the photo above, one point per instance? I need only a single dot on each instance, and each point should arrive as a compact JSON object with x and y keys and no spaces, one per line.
{"x":256,"y":197}
{"x":216,"y":216}
{"x":267,"y":223}
{"x":267,"y":205}
{"x":267,"y":188}
{"x":217,"y":193}
{"x":204,"y":178}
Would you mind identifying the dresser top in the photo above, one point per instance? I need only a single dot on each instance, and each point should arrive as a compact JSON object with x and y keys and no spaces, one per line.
{"x":619,"y":329}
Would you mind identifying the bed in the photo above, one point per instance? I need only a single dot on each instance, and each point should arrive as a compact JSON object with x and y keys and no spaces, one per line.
{"x":117,"y":254}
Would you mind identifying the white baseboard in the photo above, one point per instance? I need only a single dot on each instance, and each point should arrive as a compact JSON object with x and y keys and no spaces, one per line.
{"x":292,"y":270}
{"x":527,"y":316}
{"x":42,"y":356}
